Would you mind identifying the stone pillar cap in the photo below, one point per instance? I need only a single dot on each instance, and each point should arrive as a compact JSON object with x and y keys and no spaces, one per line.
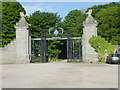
{"x":22,"y":22}
{"x":89,"y":12}
{"x":90,"y":19}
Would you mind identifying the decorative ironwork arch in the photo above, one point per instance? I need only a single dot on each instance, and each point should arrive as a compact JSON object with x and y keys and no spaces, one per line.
{"x":56,"y":32}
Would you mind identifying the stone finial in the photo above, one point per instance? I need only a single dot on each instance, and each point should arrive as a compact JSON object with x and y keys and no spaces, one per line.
{"x":90,"y":19}
{"x":22,"y":22}
{"x":22,"y":14}
{"x":89,"y":12}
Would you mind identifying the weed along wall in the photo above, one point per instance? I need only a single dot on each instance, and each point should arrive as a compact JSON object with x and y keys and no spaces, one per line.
{"x":18,"y":51}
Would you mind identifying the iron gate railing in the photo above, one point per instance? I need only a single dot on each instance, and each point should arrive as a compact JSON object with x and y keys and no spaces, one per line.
{"x":77,"y":50}
{"x":39,"y":50}
{"x":44,"y":47}
{"x":74,"y":50}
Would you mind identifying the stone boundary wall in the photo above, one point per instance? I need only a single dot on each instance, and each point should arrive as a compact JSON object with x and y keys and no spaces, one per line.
{"x":8,"y":53}
{"x":0,"y":55}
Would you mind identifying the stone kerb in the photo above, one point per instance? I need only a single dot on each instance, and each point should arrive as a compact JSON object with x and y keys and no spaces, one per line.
{"x":90,"y":29}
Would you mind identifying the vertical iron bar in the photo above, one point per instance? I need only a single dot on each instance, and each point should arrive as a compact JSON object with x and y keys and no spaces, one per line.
{"x":33,"y":47}
{"x":69,"y":48}
{"x":79,"y":50}
{"x":44,"y":49}
{"x":73,"y":49}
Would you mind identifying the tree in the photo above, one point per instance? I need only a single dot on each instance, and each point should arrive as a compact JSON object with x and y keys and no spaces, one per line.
{"x":0,"y":25}
{"x":99,"y":7}
{"x":52,"y":49}
{"x":10,"y":16}
{"x":41,"y":22}
{"x":107,"y":17}
{"x":108,"y":26}
{"x":74,"y":22}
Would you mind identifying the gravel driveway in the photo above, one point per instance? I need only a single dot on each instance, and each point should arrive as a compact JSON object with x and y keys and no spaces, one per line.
{"x":59,"y":75}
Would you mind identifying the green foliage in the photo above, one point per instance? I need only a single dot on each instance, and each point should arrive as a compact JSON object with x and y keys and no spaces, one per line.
{"x":0,"y":24}
{"x":36,"y":59}
{"x":37,"y":50}
{"x":41,"y":22}
{"x":100,"y":60}
{"x":108,"y":20}
{"x":74,"y":22}
{"x":10,"y":16}
{"x":99,"y":7}
{"x":54,"y":59}
{"x":52,"y":49}
{"x":101,"y":45}
{"x":109,"y":24}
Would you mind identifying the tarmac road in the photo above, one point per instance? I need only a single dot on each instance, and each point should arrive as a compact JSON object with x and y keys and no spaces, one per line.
{"x":59,"y":75}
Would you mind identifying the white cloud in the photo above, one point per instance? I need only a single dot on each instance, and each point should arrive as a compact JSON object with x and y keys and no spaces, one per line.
{"x":31,"y":8}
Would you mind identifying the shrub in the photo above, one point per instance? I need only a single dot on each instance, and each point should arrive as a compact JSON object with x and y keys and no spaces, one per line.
{"x":101,"y":46}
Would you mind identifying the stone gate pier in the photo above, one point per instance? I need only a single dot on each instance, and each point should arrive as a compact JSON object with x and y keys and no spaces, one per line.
{"x":89,"y":30}
{"x":18,"y":51}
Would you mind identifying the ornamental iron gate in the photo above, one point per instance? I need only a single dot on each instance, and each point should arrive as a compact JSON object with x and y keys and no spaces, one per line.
{"x":40,"y":49}
{"x":39,"y":46}
{"x":74,"y":50}
{"x":77,"y":50}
